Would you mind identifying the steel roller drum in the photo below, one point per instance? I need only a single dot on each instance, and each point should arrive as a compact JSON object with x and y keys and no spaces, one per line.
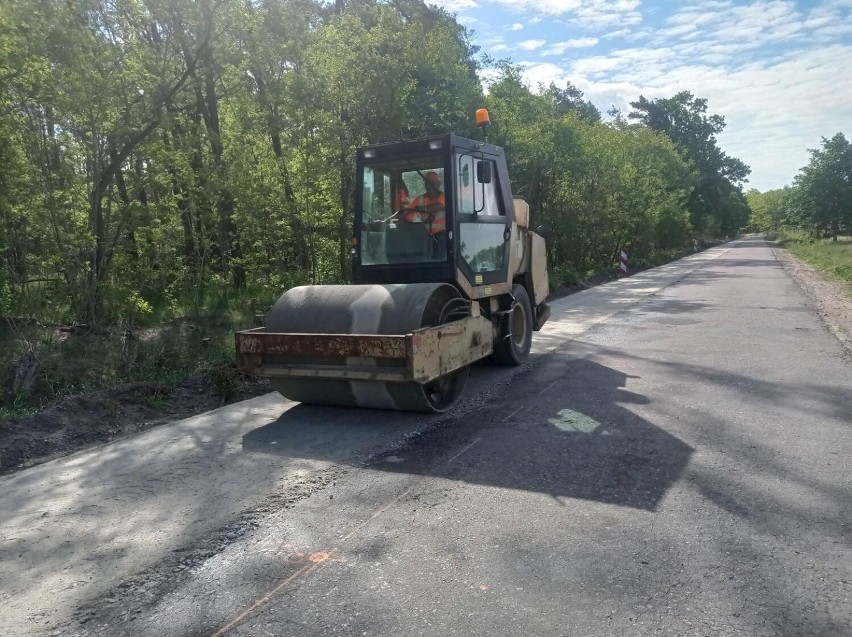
{"x":367,"y":309}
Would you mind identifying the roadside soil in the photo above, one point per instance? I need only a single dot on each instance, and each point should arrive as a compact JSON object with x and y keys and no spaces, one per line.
{"x":832,"y":300}
{"x":78,"y":422}
{"x":83,"y":421}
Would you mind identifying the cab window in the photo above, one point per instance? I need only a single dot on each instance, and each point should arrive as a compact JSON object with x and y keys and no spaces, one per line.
{"x":473,"y":196}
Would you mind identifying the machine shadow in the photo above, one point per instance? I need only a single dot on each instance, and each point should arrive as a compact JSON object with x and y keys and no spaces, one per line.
{"x":331,"y":433}
{"x":328,"y":433}
{"x":562,"y":429}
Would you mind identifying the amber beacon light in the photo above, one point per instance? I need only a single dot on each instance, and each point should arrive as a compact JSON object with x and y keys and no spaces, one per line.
{"x":482,"y":118}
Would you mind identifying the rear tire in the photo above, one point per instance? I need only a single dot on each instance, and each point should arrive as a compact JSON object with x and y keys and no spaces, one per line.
{"x":515,"y":339}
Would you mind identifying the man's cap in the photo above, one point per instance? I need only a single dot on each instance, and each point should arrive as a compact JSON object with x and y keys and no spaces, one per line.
{"x":433,"y":178}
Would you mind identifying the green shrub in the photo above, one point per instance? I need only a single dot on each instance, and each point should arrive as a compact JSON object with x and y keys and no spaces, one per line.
{"x":565,"y":276}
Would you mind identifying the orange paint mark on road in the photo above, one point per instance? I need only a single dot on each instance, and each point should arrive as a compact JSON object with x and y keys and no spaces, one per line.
{"x":484,"y":587}
{"x":317,"y":560}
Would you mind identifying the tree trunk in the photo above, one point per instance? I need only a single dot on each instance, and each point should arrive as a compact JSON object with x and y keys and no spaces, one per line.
{"x":182,"y":197}
{"x":291,"y":205}
{"x":103,"y":174}
{"x":231,"y":249}
{"x":95,"y":273}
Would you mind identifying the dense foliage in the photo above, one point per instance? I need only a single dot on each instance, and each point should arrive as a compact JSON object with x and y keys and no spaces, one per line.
{"x":818,"y":204}
{"x":716,"y":202}
{"x":162,"y":155}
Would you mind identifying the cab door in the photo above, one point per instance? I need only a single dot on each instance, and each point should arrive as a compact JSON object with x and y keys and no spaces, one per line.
{"x":483,"y":223}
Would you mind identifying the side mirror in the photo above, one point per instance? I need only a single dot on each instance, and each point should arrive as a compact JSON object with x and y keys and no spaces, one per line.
{"x":543,"y":231}
{"x":483,"y":172}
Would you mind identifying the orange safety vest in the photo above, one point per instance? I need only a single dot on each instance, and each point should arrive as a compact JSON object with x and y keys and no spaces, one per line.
{"x":438,"y":220}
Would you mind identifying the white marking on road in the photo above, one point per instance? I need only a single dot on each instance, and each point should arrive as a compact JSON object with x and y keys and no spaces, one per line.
{"x":463,"y":450}
{"x":512,"y":414}
{"x":548,"y":387}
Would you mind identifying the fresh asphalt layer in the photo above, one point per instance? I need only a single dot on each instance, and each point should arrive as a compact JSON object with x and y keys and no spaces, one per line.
{"x":674,"y":461}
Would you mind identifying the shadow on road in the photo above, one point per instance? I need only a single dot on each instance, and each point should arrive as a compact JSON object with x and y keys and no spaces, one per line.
{"x":560,"y":428}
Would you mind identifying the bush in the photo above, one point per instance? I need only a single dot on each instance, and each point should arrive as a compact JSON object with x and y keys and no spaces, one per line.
{"x":565,"y":276}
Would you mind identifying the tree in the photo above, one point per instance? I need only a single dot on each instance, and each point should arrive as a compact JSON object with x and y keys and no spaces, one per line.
{"x":109,"y":75}
{"x":596,"y":186}
{"x":823,"y":195}
{"x":716,"y":202}
{"x":382,"y":72}
{"x":570,"y":98}
{"x":769,"y":210}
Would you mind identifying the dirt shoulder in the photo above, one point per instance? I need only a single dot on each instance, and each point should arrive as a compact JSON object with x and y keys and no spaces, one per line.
{"x":83,"y":421}
{"x":78,"y":422}
{"x":832,"y":300}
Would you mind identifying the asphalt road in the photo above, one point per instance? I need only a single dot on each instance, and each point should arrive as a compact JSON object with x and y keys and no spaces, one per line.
{"x":675,"y":460}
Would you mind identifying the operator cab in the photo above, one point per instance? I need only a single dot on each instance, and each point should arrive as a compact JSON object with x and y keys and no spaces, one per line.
{"x":429,"y":209}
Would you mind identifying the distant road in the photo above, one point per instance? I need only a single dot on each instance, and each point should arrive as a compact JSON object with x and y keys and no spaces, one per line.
{"x":675,"y":460}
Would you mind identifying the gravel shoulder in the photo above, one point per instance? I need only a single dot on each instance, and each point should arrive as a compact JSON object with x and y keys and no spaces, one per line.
{"x":832,"y":300}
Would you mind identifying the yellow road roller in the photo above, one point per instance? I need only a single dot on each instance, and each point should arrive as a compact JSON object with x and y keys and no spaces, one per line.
{"x":446,"y":272}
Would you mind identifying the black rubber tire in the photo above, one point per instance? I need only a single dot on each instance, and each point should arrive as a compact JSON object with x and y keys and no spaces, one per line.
{"x":514,"y":340}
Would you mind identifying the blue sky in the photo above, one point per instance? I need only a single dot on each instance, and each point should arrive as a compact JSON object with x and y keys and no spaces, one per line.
{"x":780,"y":72}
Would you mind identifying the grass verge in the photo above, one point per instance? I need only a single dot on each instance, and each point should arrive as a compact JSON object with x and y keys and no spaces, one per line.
{"x":830,"y":258}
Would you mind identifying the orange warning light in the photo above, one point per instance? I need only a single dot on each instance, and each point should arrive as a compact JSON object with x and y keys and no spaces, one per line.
{"x":482,"y":118}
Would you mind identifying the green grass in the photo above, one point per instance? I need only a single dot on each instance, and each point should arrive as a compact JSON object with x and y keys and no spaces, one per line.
{"x":834,"y":260}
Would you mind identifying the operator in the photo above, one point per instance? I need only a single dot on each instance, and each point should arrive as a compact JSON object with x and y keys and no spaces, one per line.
{"x":431,"y":208}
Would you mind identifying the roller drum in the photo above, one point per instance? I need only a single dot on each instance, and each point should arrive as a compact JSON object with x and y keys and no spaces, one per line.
{"x":368,"y":309}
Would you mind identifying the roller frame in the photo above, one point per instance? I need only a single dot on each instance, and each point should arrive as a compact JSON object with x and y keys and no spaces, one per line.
{"x":427,"y":353}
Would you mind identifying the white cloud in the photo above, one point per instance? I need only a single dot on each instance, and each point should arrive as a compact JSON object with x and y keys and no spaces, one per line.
{"x":777,"y":70}
{"x":558,"y":48}
{"x":531,"y":45}
{"x":834,"y":31}
{"x":616,"y":34}
{"x":759,"y":22}
{"x":677,"y":31}
{"x":774,"y":111}
{"x":549,"y":7}
{"x":456,"y":6}
{"x":543,"y":73}
{"x":588,"y":13}
{"x":494,"y":45}
{"x":600,"y":14}
{"x":517,"y":26}
{"x":645,"y":62}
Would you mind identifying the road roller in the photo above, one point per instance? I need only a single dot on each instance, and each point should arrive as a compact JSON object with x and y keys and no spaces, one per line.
{"x":446,"y":272}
